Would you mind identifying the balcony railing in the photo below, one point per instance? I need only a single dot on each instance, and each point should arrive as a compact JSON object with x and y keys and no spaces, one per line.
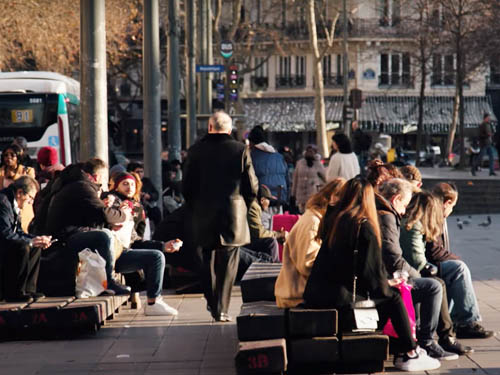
{"x":395,"y":80}
{"x":291,"y":81}
{"x":443,"y":79}
{"x":259,"y":83}
{"x":333,"y":81}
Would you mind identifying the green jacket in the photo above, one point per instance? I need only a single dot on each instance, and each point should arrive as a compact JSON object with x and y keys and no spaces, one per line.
{"x":413,"y":244}
{"x":257,"y":230}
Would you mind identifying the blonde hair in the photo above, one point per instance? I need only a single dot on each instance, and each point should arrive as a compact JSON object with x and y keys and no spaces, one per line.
{"x":426,"y":209}
{"x":324,"y":197}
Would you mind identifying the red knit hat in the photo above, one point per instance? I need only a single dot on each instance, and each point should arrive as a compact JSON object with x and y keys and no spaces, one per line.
{"x":47,"y":156}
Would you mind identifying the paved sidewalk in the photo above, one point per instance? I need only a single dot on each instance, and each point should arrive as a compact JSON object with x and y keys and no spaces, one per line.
{"x":456,"y":174}
{"x":193,"y":344}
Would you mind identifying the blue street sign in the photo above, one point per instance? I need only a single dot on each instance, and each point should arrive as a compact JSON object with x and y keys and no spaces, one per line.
{"x":209,"y":68}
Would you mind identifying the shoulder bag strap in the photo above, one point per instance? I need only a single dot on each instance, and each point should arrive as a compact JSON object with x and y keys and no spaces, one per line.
{"x":355,"y":261}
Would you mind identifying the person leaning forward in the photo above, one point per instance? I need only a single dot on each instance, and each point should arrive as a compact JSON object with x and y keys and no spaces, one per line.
{"x":19,"y":252}
{"x":219,"y":184}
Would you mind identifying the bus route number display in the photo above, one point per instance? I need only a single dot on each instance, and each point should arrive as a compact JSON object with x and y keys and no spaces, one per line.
{"x":22,"y":115}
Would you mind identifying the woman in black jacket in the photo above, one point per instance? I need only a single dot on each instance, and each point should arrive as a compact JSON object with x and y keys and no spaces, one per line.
{"x":330,"y":284}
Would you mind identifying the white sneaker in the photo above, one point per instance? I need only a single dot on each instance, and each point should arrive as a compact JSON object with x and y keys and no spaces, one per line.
{"x":421,"y":362}
{"x":159,"y":308}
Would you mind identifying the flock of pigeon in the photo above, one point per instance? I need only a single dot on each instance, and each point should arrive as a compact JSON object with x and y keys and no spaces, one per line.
{"x":461,"y":223}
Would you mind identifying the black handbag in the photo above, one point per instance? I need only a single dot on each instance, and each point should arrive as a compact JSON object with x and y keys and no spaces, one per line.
{"x":364,"y":315}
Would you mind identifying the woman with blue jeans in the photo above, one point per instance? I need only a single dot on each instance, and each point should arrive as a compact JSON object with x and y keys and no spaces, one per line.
{"x":144,"y":255}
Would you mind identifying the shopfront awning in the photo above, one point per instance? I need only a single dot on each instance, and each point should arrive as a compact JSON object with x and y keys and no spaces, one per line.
{"x":388,"y":114}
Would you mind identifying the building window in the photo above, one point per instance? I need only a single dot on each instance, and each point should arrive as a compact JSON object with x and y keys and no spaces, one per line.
{"x":443,"y":70}
{"x":390,"y":12}
{"x":260,"y":76}
{"x":332,"y":71}
{"x":395,"y":70}
{"x":291,"y":72}
{"x":494,"y":78}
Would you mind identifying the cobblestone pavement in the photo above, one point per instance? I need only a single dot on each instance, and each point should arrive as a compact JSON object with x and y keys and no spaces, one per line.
{"x":193,"y":344}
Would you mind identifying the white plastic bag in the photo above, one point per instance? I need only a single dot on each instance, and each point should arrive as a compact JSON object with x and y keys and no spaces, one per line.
{"x":124,"y":234}
{"x":91,"y":280}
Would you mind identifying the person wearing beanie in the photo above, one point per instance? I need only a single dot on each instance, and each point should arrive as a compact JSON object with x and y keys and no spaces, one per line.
{"x":137,"y":254}
{"x":48,"y":161}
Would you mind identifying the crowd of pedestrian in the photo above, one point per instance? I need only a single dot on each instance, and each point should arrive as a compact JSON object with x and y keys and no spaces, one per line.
{"x":218,"y":204}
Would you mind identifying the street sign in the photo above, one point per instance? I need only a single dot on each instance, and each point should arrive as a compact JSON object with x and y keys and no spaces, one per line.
{"x":209,"y":68}
{"x":226,"y":49}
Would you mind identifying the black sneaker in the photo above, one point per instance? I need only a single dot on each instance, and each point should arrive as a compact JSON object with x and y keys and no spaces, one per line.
{"x":118,"y":288}
{"x":493,"y":174}
{"x":451,"y":344}
{"x":473,"y":331}
{"x":434,"y":350}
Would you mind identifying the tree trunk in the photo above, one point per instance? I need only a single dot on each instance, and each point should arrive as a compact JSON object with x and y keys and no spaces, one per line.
{"x":319,"y":99}
{"x":420,"y":124}
{"x":453,"y":127}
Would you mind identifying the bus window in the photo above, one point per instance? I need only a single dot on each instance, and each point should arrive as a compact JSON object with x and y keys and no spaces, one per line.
{"x":74,"y":130}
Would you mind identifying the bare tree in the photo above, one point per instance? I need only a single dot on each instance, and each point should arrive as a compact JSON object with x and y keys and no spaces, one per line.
{"x":464,"y":24}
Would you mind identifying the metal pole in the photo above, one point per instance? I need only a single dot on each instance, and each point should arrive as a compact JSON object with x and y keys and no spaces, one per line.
{"x":152,"y":95}
{"x":93,"y":90}
{"x":205,"y":96}
{"x":191,"y":73}
{"x":174,"y":107}
{"x":345,"y":66}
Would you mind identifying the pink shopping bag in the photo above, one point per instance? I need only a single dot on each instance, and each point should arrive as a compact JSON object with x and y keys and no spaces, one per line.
{"x":286,"y":221}
{"x":405,"y":290}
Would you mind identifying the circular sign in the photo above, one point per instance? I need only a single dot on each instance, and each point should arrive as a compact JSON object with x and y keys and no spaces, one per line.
{"x":226,"y":49}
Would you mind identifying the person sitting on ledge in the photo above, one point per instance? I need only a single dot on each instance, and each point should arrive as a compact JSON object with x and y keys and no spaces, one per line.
{"x":19,"y":252}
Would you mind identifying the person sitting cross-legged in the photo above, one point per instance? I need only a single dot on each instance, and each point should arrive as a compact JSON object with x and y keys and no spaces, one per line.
{"x":19,"y":252}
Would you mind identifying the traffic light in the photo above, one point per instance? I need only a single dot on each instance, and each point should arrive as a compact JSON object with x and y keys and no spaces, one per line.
{"x":233,"y":83}
{"x":220,"y":90}
{"x":356,"y":98}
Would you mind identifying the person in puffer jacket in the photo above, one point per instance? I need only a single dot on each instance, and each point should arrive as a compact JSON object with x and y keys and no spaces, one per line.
{"x":270,"y":166}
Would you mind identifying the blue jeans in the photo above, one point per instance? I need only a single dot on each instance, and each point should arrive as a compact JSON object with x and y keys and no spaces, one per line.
{"x":490,"y":151}
{"x":151,"y":261}
{"x":461,"y":296}
{"x":99,"y":240}
{"x":429,"y":293}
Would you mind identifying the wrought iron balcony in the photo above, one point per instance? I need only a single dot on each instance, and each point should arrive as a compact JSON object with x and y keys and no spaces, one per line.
{"x":259,"y":83}
{"x":395,"y":80}
{"x":291,"y":81}
{"x":333,"y":81}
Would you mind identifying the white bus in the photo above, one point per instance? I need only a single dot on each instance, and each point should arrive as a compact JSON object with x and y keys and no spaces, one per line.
{"x":44,"y":108}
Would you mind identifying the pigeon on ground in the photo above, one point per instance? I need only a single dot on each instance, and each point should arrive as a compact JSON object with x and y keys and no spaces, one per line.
{"x":486,"y":223}
{"x":460,"y":224}
{"x":466,"y":221}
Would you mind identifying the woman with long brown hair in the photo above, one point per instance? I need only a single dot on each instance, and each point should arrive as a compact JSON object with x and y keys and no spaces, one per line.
{"x":302,"y":246}
{"x":354,"y":224}
{"x":422,"y":222}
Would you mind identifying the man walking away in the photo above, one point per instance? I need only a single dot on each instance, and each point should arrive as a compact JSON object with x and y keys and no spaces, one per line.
{"x":219,"y":184}
{"x":486,"y":143}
